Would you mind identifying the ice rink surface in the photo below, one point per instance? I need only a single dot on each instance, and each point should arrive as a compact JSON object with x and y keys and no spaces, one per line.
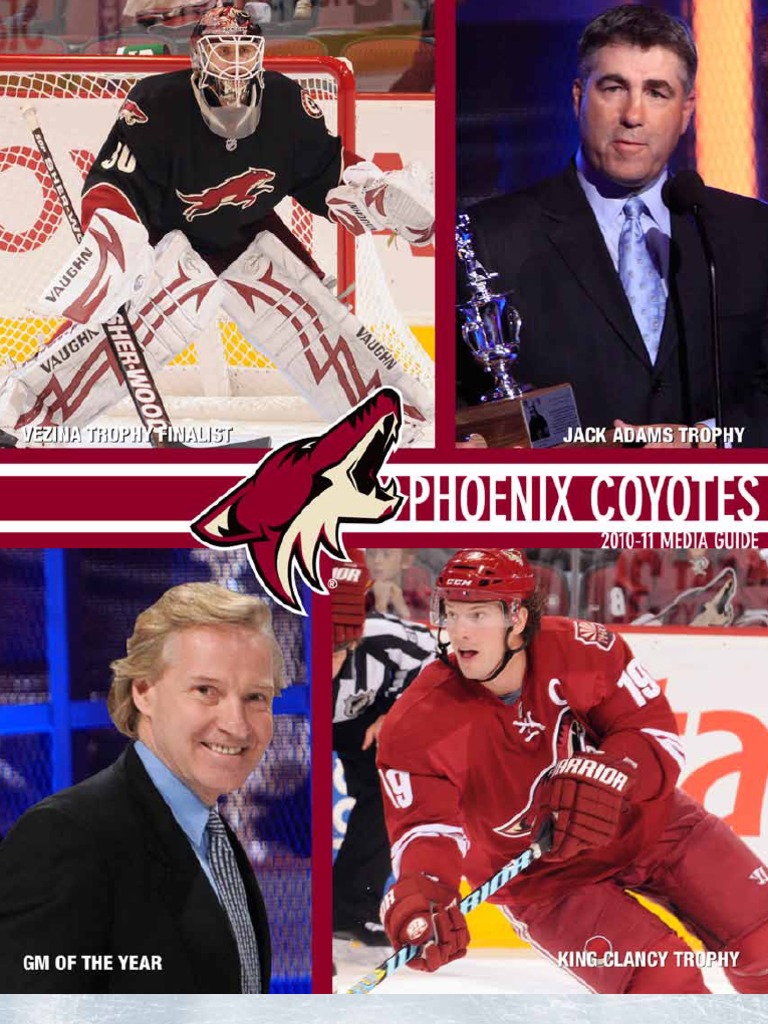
{"x":484,"y":972}
{"x":435,"y":1009}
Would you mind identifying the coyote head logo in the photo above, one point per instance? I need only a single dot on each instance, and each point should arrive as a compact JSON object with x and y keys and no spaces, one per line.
{"x":131,"y":113}
{"x":294,"y":504}
{"x":241,"y":190}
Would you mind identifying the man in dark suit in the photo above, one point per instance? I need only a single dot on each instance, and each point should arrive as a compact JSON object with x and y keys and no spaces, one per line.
{"x":131,"y":881}
{"x":611,"y":286}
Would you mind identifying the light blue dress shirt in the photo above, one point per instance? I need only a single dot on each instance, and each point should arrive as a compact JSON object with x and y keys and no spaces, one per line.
{"x":187,"y":808}
{"x":607,"y":201}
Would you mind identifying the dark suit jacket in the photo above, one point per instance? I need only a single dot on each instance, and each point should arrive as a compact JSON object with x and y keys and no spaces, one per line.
{"x":578,"y":326}
{"x":103,"y":868}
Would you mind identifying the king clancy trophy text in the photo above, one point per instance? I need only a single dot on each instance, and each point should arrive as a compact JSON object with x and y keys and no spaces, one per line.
{"x":510,"y":414}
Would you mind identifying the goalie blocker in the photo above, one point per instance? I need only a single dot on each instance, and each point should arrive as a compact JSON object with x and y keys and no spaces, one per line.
{"x":281,"y":306}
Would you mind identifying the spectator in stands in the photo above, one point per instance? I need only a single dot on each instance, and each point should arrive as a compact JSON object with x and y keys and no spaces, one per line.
{"x":399,"y":587}
{"x":420,"y":76}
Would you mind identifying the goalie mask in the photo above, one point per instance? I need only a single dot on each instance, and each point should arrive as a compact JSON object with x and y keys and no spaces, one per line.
{"x":227,"y":51}
{"x":488,"y":575}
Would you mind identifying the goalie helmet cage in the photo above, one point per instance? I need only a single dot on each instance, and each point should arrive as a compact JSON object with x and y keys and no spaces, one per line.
{"x":222,"y":376}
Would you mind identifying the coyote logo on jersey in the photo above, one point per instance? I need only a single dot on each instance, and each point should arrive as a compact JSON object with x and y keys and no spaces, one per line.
{"x":241,"y":190}
{"x":294,"y":504}
{"x":131,"y":113}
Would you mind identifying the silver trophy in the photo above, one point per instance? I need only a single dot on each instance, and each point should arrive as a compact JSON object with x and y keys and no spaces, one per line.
{"x":491,"y":324}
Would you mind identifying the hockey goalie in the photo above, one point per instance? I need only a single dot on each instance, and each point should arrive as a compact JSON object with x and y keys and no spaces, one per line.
{"x":180,"y":227}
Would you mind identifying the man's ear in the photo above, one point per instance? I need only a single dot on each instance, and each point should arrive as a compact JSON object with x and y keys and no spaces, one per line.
{"x":140,"y":690}
{"x":519,"y":620}
{"x":689,"y":105}
{"x":577,"y":93}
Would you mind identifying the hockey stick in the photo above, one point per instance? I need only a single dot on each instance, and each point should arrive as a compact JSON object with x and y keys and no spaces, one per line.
{"x":473,"y":899}
{"x":120,"y":335}
{"x":118,"y":331}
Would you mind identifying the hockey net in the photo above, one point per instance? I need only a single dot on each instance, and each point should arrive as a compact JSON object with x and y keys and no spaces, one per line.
{"x":77,"y":100}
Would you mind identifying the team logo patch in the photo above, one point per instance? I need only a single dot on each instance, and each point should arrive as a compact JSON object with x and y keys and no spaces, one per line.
{"x":310,"y":107}
{"x":131,"y":113}
{"x":294,"y":505}
{"x":416,"y":929}
{"x":593,"y":634}
{"x":357,"y":703}
{"x":240,"y":190}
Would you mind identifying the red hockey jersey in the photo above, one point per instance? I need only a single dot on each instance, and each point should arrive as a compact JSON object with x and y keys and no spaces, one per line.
{"x":460,"y":768}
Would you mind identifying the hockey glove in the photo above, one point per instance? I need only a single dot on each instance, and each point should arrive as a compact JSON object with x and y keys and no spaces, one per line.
{"x":419,"y":911}
{"x":584,"y":797}
{"x":371,"y":200}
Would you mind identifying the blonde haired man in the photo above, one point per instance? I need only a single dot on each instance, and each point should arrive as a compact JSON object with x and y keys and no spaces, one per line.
{"x":131,"y":879}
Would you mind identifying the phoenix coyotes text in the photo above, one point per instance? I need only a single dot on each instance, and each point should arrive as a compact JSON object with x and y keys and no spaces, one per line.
{"x":454,"y":497}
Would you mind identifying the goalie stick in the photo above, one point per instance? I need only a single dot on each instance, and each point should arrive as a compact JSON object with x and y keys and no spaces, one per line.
{"x":120,"y":335}
{"x":473,"y":899}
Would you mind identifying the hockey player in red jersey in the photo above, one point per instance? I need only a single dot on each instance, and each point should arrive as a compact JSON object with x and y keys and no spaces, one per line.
{"x":179,"y":217}
{"x":535,"y":719}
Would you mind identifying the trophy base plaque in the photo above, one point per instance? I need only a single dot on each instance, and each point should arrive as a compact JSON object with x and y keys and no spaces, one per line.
{"x":541,"y":418}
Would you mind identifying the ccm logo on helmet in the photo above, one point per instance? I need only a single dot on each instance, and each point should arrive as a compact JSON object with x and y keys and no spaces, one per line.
{"x":457,"y":583}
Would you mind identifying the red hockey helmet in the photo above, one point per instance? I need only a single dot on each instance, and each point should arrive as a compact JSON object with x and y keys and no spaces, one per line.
{"x":348,"y":586}
{"x":227,"y":51}
{"x":490,"y":574}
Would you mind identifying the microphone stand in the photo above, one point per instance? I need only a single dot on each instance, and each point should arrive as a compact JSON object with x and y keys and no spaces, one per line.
{"x":715,"y":325}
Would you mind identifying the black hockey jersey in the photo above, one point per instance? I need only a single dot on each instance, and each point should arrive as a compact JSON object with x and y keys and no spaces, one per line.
{"x":161,"y":164}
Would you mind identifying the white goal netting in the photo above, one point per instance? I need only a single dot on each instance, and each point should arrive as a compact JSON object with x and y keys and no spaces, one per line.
{"x":221,"y":375}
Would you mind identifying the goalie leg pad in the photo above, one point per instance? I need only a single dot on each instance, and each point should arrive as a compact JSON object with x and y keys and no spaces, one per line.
{"x":75,"y":377}
{"x":112,"y":260}
{"x":329,"y":356}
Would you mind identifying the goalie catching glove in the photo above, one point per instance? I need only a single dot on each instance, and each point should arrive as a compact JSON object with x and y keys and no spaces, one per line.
{"x":585,"y":796}
{"x":420,"y":911}
{"x":371,"y":199}
{"x":112,"y":263}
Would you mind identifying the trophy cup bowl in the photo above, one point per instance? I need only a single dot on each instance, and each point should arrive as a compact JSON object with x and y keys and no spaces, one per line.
{"x":491,"y":329}
{"x":510,"y":414}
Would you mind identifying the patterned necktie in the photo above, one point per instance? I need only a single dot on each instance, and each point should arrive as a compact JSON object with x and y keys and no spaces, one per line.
{"x":640,"y":278}
{"x":232,"y":892}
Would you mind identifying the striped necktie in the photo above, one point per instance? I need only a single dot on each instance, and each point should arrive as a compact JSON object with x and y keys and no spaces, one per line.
{"x":640,"y":278}
{"x":233,"y":898}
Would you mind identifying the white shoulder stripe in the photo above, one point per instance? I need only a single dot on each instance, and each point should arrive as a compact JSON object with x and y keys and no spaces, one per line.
{"x":670,"y":742}
{"x":431,"y":831}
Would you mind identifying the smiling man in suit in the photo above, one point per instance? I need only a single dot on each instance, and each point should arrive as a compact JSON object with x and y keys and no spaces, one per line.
{"x":131,"y":881}
{"x":611,"y":285}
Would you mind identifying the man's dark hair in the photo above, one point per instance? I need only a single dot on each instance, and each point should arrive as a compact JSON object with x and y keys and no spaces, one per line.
{"x":536,"y":603}
{"x":640,"y":26}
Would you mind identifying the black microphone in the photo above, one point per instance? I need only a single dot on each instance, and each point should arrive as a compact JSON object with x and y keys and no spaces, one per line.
{"x":683,"y":194}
